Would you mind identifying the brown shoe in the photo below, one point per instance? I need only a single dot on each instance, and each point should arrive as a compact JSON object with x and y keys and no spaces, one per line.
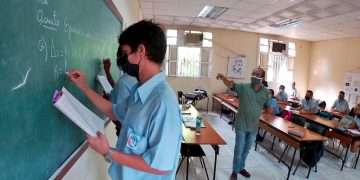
{"x":245,"y":173}
{"x":233,"y":176}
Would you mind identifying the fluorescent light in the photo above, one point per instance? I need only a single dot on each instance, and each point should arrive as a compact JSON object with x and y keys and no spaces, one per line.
{"x":287,"y":23}
{"x":212,"y":12}
{"x":205,"y":11}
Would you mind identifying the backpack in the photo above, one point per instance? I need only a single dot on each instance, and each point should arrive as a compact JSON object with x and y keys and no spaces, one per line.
{"x":311,"y":153}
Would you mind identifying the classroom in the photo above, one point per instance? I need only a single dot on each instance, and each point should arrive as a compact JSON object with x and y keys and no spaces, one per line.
{"x":180,"y":89}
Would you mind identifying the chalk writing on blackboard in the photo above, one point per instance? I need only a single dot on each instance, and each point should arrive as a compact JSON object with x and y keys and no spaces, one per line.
{"x":23,"y":82}
{"x":43,"y":47}
{"x":48,"y":22}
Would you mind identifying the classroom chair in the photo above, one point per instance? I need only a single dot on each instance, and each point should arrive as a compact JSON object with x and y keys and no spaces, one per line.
{"x":192,"y":150}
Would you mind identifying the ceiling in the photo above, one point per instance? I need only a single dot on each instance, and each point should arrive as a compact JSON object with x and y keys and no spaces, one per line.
{"x":322,"y":19}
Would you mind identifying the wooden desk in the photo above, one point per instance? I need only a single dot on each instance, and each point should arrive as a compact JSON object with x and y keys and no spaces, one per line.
{"x":337,"y":114}
{"x":313,"y":118}
{"x":227,"y":100}
{"x":207,"y":136}
{"x":345,"y":138}
{"x":279,"y":127}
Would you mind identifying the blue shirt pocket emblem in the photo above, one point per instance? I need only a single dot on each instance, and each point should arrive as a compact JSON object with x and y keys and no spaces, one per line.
{"x":135,"y":143}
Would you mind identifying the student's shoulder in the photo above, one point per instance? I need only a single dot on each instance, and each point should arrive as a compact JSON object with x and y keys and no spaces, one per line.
{"x":163,"y":93}
{"x":127,"y":80}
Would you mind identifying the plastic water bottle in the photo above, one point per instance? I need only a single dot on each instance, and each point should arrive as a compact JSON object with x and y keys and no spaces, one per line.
{"x":198,"y":125}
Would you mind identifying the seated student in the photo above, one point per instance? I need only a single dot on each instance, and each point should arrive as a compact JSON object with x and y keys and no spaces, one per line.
{"x":309,"y":105}
{"x":355,"y":124}
{"x":341,"y":105}
{"x":273,"y":103}
{"x":281,"y":95}
{"x":322,"y":112}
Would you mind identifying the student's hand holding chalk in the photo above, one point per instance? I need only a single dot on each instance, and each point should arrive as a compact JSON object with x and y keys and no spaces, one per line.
{"x":79,"y":79}
{"x":99,"y":143}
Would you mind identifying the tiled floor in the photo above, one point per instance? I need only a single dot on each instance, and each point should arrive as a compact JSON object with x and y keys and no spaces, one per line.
{"x":260,"y":163}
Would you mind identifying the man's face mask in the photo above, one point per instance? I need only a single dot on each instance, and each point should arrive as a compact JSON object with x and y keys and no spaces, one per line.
{"x":307,"y":97}
{"x":127,"y":67}
{"x":256,"y":80}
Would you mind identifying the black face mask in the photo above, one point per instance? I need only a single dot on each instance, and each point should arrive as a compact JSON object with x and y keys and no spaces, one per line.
{"x":130,"y":69}
{"x":307,"y":97}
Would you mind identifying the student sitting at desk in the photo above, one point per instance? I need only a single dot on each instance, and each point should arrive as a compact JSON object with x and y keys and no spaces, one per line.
{"x":274,"y":105}
{"x":354,"y":126}
{"x":341,"y":105}
{"x":309,"y":105}
{"x":281,"y":95}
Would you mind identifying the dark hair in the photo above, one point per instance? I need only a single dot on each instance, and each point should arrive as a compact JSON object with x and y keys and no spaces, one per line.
{"x":265,"y":83}
{"x":322,"y":104}
{"x":282,"y":86}
{"x":150,"y":35}
{"x":271,"y":92}
{"x":352,"y":112}
{"x":310,"y":91}
{"x":342,"y":92}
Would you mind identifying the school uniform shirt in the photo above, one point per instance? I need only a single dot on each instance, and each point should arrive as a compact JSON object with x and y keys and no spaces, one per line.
{"x":123,"y":86}
{"x":252,"y":104}
{"x":151,"y":129}
{"x":310,"y":105}
{"x":294,"y":93}
{"x":282,"y":96}
{"x":341,"y":106}
{"x":274,"y":105}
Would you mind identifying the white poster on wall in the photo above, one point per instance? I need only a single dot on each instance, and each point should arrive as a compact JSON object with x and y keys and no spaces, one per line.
{"x":236,"y":66}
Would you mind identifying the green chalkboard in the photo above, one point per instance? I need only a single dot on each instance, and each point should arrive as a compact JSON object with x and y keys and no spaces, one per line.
{"x":39,"y":41}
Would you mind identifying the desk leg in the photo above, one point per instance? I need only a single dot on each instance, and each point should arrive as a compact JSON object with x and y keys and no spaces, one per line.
{"x":207,"y":105}
{"x":273,"y":142}
{"x":291,"y":164}
{"x":187,"y":168}
{"x":216,"y":149}
{"x":357,"y":159}
{"x":345,"y":158}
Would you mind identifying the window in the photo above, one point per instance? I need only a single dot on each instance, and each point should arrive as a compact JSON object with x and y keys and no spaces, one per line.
{"x":279,"y":66}
{"x":207,"y":39}
{"x":264,"y":45}
{"x":171,"y":35}
{"x":291,"y":50}
{"x":189,"y":60}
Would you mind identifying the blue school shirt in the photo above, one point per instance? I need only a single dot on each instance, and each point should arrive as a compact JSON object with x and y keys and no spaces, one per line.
{"x":274,"y":105}
{"x":121,"y":93}
{"x":282,"y":96}
{"x":341,"y":106}
{"x":151,"y":129}
{"x":310,"y":105}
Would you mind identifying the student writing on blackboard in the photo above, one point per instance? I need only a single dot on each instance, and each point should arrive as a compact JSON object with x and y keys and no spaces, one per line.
{"x":123,"y":86}
{"x":149,"y":143}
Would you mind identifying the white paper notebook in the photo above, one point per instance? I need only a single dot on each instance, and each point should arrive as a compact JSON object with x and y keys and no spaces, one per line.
{"x":84,"y":118}
{"x":104,"y":84}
